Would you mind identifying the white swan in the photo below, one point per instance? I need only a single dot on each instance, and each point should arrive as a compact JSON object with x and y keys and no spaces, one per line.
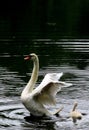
{"x":34,"y":99}
{"x":74,"y":114}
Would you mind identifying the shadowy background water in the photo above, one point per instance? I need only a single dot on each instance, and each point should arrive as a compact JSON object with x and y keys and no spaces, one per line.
{"x":67,"y":56}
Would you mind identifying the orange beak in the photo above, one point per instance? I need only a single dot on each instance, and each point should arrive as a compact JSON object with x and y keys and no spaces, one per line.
{"x":27,"y":58}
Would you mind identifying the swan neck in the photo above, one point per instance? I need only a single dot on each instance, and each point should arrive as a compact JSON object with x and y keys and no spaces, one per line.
{"x":75,"y":105}
{"x":34,"y":75}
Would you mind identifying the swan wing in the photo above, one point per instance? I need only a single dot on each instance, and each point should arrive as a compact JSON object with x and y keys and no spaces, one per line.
{"x":48,"y":93}
{"x":50,"y":77}
{"x":45,"y":93}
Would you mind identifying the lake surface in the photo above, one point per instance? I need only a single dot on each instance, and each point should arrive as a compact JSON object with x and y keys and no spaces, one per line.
{"x":68,"y":56}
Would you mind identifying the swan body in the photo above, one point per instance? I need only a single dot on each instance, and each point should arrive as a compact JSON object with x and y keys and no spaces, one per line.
{"x":35,"y":99}
{"x":74,"y":114}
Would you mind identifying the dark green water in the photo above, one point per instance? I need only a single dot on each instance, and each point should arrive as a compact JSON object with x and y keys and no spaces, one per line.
{"x":67,"y":56}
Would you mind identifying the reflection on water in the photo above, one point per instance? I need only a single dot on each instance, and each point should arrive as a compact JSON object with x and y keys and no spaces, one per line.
{"x":69,"y":57}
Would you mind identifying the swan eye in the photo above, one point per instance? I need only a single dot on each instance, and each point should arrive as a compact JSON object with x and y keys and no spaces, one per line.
{"x":32,"y":57}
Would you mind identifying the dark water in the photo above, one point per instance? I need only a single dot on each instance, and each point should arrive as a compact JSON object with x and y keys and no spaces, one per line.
{"x":70,"y":57}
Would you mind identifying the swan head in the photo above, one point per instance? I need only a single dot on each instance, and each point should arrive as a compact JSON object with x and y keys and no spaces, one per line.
{"x":31,"y":56}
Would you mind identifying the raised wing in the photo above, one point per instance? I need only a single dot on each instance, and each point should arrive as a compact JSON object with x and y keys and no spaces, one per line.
{"x":51,"y":77}
{"x":46,"y":91}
